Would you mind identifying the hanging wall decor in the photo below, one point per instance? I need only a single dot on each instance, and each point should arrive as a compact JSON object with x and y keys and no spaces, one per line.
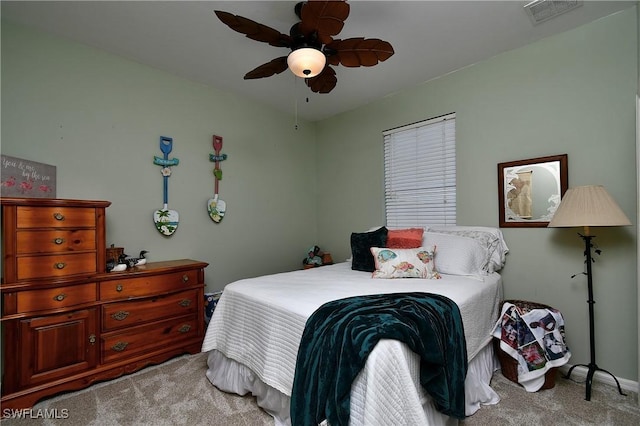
{"x":215,"y":206}
{"x":166,"y":220}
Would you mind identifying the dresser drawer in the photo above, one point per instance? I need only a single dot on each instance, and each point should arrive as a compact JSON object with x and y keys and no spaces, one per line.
{"x":59,"y":297}
{"x":137,"y":340}
{"x":146,"y":286}
{"x":55,"y":241}
{"x":126,"y":314}
{"x":55,"y":217}
{"x":57,"y":265}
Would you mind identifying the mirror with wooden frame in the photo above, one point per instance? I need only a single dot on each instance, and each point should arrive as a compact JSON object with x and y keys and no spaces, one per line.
{"x":529,"y":191}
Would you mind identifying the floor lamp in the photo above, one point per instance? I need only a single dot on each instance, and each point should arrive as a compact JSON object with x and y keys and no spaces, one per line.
{"x":589,"y":206}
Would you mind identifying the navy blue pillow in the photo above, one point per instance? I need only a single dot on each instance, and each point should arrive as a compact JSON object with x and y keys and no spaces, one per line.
{"x":361,"y":243}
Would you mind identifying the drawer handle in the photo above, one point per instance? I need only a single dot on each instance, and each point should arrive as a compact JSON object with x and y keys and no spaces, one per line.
{"x":60,"y":297}
{"x":119,"y":288}
{"x":120,"y":346}
{"x":185,"y":278}
{"x":92,"y":339}
{"x":60,"y":265}
{"x":120,"y":315}
{"x":58,"y":241}
{"x":185,"y":302}
{"x":58,"y":216}
{"x":185,"y":328}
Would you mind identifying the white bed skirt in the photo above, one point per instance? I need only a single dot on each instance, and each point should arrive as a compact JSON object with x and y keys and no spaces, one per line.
{"x":231,"y":376}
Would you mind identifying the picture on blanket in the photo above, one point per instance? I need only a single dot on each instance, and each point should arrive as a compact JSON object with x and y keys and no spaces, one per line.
{"x":534,"y":356}
{"x":535,"y":338}
{"x":515,"y":332}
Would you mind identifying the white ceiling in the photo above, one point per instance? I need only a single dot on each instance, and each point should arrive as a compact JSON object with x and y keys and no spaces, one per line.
{"x":430,"y":38}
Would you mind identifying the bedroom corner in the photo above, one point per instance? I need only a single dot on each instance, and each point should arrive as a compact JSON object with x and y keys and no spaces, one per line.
{"x":529,"y":102}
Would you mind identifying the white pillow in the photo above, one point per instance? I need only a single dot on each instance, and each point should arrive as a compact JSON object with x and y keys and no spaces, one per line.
{"x":404,"y":263}
{"x":491,"y":238}
{"x":458,"y":255}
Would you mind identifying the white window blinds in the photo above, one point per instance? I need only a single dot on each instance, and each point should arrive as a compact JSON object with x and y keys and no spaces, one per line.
{"x":420,"y":173}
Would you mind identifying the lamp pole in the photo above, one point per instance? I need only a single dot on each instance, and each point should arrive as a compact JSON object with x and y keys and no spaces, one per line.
{"x":592,"y":366}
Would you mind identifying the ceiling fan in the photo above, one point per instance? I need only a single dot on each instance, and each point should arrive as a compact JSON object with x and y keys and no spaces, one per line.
{"x":313,"y":48}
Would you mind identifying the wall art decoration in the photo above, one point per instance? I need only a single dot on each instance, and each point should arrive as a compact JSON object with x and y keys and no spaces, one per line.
{"x":216,"y":206}
{"x":166,"y":220}
{"x":529,"y":191}
{"x":26,"y":179}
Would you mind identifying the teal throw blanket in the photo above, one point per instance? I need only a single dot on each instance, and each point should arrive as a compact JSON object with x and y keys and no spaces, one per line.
{"x":339,"y":336}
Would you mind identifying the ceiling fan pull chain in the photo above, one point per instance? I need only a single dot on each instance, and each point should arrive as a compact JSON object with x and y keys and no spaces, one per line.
{"x":295,"y":104}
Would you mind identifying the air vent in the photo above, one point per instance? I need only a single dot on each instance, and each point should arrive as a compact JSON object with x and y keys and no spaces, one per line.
{"x":542,"y":10}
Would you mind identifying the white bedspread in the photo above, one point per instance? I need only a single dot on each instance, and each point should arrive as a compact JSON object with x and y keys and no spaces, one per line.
{"x":258,"y":323}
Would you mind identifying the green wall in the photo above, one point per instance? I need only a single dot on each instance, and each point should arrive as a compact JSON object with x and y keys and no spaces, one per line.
{"x":98,"y":118}
{"x":573,"y":93}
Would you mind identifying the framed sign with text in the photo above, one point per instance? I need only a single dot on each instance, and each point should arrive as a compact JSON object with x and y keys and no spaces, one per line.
{"x":26,"y":178}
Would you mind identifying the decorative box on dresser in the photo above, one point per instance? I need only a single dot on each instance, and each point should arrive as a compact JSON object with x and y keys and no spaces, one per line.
{"x":66,"y":322}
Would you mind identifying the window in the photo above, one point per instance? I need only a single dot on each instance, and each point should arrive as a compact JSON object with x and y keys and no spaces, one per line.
{"x":420,"y":173}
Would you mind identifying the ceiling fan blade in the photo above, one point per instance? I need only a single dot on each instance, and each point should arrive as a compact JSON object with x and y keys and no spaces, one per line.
{"x":254,"y":30}
{"x":275,"y":66}
{"x":323,"y":82}
{"x":326,"y":18}
{"x":359,"y":52}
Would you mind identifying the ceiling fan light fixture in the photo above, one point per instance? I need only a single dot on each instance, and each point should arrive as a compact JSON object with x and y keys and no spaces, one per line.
{"x":306,"y":62}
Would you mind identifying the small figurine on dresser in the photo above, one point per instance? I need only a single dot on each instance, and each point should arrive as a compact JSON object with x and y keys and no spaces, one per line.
{"x":121,"y":265}
{"x":141,"y":259}
{"x":113,"y":256}
{"x":110,"y":265}
{"x":125,"y":262}
{"x":136,"y":261}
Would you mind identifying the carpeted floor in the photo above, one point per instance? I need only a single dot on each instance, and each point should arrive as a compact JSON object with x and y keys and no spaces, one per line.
{"x":178,"y":393}
{"x":564,"y":404}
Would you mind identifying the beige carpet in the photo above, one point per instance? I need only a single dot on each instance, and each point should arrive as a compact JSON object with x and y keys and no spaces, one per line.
{"x":178,"y":393}
{"x":564,"y":404}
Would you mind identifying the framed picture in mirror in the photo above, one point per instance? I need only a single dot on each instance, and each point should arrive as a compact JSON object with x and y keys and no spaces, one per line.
{"x":529,"y":191}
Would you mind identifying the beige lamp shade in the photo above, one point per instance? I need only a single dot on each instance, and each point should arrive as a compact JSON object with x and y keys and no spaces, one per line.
{"x":306,"y":62}
{"x":588,"y":206}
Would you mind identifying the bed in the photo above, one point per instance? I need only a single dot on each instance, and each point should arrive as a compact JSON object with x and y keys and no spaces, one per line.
{"x":255,"y":331}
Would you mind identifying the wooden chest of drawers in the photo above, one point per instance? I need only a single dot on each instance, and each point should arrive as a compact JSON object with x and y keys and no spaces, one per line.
{"x":67,"y":323}
{"x":52,"y":238}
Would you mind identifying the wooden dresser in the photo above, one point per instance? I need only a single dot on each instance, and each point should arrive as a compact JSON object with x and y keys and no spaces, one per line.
{"x":66,"y":323}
